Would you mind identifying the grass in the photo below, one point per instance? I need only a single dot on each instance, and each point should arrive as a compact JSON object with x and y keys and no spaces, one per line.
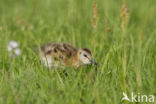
{"x":123,"y":66}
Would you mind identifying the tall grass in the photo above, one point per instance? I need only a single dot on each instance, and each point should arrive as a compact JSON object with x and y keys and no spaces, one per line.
{"x":124,"y":15}
{"x":123,"y":44}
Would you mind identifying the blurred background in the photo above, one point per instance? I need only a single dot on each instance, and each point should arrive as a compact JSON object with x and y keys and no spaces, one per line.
{"x":122,"y":37}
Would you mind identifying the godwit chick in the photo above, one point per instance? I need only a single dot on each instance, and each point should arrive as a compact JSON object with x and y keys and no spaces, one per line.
{"x":63,"y":54}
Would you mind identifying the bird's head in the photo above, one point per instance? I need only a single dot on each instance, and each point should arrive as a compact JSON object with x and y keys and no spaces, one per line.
{"x":85,"y":56}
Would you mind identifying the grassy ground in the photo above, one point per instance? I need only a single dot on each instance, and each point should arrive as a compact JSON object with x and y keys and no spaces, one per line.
{"x":126,"y":57}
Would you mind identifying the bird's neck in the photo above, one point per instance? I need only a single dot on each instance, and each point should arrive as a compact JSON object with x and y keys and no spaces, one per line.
{"x":76,"y":61}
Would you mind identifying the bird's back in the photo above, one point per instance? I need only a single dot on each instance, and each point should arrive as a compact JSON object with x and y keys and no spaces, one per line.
{"x":61,"y":52}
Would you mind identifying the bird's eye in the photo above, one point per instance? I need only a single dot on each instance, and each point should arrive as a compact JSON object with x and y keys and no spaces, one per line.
{"x":85,"y":55}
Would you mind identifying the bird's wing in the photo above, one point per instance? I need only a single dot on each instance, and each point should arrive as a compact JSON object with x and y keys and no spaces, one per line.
{"x":48,"y":48}
{"x":66,"y":50}
{"x":59,"y":51}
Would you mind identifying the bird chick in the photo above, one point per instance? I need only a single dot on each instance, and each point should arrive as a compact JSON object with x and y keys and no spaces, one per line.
{"x":65,"y":55}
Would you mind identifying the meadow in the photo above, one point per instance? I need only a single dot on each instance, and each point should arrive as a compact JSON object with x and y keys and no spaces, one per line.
{"x":121,"y":35}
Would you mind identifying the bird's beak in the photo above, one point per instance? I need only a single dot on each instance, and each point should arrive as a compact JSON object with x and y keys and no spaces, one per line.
{"x":93,"y":62}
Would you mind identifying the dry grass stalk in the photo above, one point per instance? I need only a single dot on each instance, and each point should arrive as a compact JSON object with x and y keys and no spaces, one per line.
{"x":124,"y":15}
{"x":107,"y":30}
{"x":96,"y":97}
{"x":95,"y":16}
{"x":94,"y":22}
{"x":138,"y":76}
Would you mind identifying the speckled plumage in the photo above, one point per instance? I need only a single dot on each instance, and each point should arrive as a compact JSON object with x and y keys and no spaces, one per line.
{"x":63,"y":54}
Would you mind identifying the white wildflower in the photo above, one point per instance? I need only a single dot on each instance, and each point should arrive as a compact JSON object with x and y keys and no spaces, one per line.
{"x":17,"y":51}
{"x":13,"y":44}
{"x":9,"y":48}
{"x":13,"y":49}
